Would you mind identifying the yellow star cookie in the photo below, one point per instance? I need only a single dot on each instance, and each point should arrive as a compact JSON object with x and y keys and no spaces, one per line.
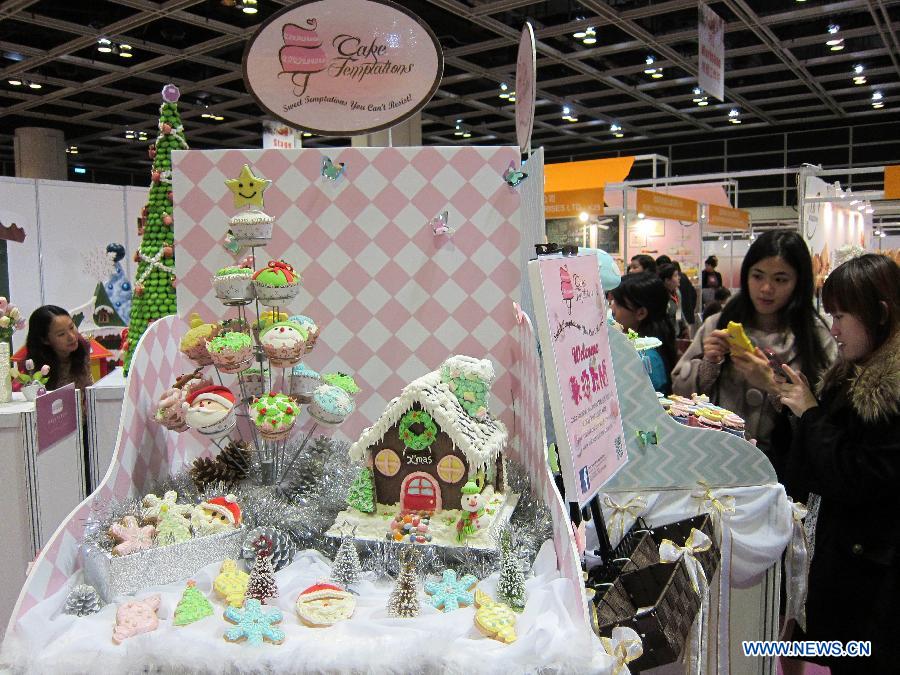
{"x":494,"y":619}
{"x":247,"y":188}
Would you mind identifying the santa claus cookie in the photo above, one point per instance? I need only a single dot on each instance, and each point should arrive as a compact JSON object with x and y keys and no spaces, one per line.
{"x":322,"y":605}
{"x":210,"y":410}
{"x":219,"y":514}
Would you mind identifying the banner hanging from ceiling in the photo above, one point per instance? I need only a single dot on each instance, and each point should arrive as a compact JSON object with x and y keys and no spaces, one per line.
{"x":526,"y":84}
{"x":711,"y":68}
{"x":343,"y":67}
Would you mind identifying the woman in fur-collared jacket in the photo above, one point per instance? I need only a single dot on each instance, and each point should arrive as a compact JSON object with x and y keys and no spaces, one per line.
{"x":847,"y":451}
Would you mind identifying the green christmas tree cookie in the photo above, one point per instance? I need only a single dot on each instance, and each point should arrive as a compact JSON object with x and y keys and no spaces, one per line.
{"x":173,"y":528}
{"x":362,"y":494}
{"x":192,"y":607}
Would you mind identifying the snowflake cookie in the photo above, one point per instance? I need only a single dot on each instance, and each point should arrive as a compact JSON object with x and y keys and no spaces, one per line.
{"x":254,"y":624}
{"x":451,"y":593}
{"x":153,"y":506}
{"x":130,"y":536}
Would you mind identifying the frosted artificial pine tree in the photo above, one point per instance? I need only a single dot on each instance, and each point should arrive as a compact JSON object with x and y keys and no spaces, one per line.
{"x":262,"y":583}
{"x":362,"y":492}
{"x":193,"y":606}
{"x":404,"y":599}
{"x":154,"y":283}
{"x":83,"y":600}
{"x":346,"y":567}
{"x":511,"y":586}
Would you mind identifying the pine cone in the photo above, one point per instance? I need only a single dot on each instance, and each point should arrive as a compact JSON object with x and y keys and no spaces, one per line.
{"x":236,"y":457}
{"x":283,"y":547}
{"x":229,"y":467}
{"x":205,"y":472}
{"x":82,"y":600}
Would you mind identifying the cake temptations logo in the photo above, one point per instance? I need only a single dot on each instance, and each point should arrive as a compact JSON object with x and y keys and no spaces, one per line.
{"x":302,"y":56}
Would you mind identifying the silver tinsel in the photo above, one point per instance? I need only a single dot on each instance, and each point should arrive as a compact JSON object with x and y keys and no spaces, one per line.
{"x":307,"y":501}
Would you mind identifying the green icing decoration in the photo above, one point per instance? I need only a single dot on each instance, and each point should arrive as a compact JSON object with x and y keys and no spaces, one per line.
{"x":341,"y":380}
{"x":192,"y":607}
{"x":361,"y":495}
{"x":413,"y":441}
{"x":277,"y":409}
{"x":271,"y":278}
{"x":226,"y":271}
{"x":471,"y":392}
{"x":234,"y":341}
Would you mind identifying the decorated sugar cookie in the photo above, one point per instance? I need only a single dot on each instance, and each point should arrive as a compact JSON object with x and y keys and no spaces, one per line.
{"x":172,"y":528}
{"x":153,"y":506}
{"x":254,"y":624}
{"x":136,"y":617}
{"x":131,"y":536}
{"x":220,"y":514}
{"x":494,"y":619}
{"x":450,"y":592}
{"x":231,"y":583}
{"x":193,"y":606}
{"x":324,"y":604}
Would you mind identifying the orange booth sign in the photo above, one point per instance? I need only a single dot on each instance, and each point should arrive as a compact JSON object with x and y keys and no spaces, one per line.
{"x":892,"y":182}
{"x":570,"y":203}
{"x":722,"y":216}
{"x":658,"y":205}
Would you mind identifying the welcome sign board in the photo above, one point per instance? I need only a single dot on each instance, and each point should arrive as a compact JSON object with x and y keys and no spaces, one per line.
{"x":343,"y":67}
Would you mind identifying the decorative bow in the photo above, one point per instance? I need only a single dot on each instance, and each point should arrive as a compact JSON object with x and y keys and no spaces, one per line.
{"x":718,"y":507}
{"x":284,"y":267}
{"x":615,"y":524}
{"x":624,"y":647}
{"x":697,"y":542}
{"x":796,"y":569}
{"x":248,"y":262}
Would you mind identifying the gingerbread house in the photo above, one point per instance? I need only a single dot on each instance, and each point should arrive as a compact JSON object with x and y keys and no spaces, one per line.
{"x":434,"y":437}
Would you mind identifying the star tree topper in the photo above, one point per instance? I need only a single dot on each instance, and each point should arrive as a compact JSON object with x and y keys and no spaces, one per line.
{"x":247,"y":188}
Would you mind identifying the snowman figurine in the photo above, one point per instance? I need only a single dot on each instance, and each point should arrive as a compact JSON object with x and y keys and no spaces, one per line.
{"x":472,"y":503}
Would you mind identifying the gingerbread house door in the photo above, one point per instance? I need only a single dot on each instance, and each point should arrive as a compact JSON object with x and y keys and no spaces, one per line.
{"x":420,"y":492}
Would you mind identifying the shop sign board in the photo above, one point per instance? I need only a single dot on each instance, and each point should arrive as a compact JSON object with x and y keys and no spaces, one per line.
{"x":343,"y":67}
{"x":571,"y":203}
{"x":892,"y":182}
{"x":56,"y":416}
{"x":723,"y":216}
{"x":279,"y":136}
{"x":658,"y":205}
{"x":526,"y":83}
{"x":711,"y":47}
{"x":570,"y":312}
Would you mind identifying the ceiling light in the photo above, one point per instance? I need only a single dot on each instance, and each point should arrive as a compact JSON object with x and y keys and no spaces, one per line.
{"x":734,"y":116}
{"x":877,"y":100}
{"x":616,"y":130}
{"x":641,"y":216}
{"x":568,"y":115}
{"x":581,"y":33}
{"x":104,"y":46}
{"x":882,"y":235}
{"x":838,"y":46}
{"x":512,"y":97}
{"x":129,"y":134}
{"x":583,"y":216}
{"x":15,"y":83}
{"x":218,"y":118}
{"x":658,"y":74}
{"x":590,"y":36}
{"x":649,"y":70}
{"x":125,"y":51}
{"x":72,"y":150}
{"x":504,"y":90}
{"x":247,"y":6}
{"x":306,"y":134}
{"x":35,"y":85}
{"x":142,"y":136}
{"x":703,"y":102}
{"x":467,"y":134}
{"x":458,"y":130}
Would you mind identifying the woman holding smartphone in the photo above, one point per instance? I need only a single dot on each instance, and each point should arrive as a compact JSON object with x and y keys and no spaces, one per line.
{"x":775,"y":307}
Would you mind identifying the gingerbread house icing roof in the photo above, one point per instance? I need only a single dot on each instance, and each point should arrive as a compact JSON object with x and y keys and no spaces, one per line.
{"x":480,"y":441}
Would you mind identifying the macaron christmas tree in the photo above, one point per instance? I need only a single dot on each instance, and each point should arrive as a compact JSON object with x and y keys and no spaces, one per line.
{"x":154,"y":287}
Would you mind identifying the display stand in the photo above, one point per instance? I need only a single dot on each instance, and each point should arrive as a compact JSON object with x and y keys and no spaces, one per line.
{"x":42,"y":488}
{"x":103,"y":404}
{"x":690,"y":471}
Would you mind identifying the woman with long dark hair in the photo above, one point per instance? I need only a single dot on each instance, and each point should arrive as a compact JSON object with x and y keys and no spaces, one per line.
{"x":775,"y":307}
{"x":53,"y":340}
{"x":639,"y":303}
{"x":846,"y":452}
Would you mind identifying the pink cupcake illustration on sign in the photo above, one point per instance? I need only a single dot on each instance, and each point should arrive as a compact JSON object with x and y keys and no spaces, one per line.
{"x":565,"y":286}
{"x":302,"y":54}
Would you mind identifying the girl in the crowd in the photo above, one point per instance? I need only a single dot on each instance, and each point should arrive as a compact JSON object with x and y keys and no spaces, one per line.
{"x":639,"y":303}
{"x":846,"y":450}
{"x":670,"y":275}
{"x":53,"y":340}
{"x":775,"y":307}
{"x":642,"y":263}
{"x":710,"y":278}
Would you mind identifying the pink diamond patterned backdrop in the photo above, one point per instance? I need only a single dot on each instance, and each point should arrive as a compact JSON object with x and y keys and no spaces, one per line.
{"x":391,"y":299}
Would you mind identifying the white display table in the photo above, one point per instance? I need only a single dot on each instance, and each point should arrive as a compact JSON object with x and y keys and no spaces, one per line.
{"x":41,"y":490}
{"x":103,"y":405}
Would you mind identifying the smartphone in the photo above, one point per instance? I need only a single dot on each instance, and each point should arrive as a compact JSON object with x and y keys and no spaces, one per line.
{"x":775,"y":362}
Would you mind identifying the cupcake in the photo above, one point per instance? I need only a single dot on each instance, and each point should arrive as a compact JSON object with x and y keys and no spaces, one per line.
{"x":170,"y":411}
{"x":210,"y":411}
{"x":276,"y":284}
{"x":251,"y":228}
{"x":256,"y":381}
{"x":193,"y":344}
{"x":233,"y":283}
{"x":274,"y":416}
{"x":341,"y":380}
{"x":330,"y":404}
{"x":231,"y":352}
{"x":312,"y":330}
{"x":304,"y":380}
{"x":269,"y":317}
{"x":284,"y":343}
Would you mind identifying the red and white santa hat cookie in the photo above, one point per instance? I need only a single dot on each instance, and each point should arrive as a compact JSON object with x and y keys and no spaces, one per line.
{"x":227,"y":506}
{"x":214,"y":393}
{"x":324,"y":604}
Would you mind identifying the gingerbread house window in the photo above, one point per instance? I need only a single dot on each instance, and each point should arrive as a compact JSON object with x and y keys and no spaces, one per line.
{"x":387,"y":462}
{"x":451,"y":469}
